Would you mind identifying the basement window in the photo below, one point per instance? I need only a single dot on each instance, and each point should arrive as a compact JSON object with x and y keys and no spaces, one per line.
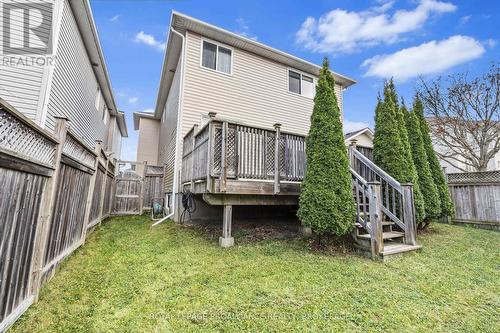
{"x":216,"y":57}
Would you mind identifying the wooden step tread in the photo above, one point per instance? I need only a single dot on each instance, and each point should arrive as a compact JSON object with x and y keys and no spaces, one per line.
{"x":357,"y":224}
{"x":385,"y":235}
{"x":396,"y":248}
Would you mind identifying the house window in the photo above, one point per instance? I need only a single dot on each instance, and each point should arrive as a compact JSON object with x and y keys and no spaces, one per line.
{"x":216,"y":57}
{"x":97,"y":98}
{"x":300,"y":84}
{"x":105,"y":114}
{"x":294,"y":82}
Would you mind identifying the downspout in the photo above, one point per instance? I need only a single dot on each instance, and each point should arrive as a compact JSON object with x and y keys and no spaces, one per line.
{"x":175,"y":188}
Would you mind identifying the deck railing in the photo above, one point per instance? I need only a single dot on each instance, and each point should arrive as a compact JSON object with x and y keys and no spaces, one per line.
{"x":229,"y":150}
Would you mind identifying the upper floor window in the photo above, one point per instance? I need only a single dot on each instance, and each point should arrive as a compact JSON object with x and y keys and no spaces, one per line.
{"x":300,"y":84}
{"x":216,"y":57}
{"x":105,"y":114}
{"x":97,"y":98}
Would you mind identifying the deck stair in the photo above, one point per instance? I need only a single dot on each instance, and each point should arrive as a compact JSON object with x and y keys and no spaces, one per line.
{"x":385,"y":214}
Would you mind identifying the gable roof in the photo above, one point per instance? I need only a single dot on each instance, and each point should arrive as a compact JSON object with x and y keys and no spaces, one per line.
{"x":86,"y":25}
{"x":352,"y":135}
{"x":182,"y":23}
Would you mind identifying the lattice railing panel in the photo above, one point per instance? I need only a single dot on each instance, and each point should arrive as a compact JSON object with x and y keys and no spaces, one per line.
{"x":474,"y":177}
{"x":232,"y":161}
{"x":154,"y":170}
{"x":270,"y":154}
{"x":217,"y":151}
{"x":19,"y":138}
{"x":77,"y":151}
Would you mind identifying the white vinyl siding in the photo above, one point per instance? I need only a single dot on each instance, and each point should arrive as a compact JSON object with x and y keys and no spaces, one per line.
{"x":256,"y":93}
{"x":21,"y":85}
{"x":168,"y":130}
{"x":74,"y":86}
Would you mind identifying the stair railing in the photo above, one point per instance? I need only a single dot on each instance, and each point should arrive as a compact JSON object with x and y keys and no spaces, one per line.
{"x":368,"y":210}
{"x":396,"y":199}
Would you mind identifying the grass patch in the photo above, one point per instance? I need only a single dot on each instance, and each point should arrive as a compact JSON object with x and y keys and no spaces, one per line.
{"x":131,"y":278}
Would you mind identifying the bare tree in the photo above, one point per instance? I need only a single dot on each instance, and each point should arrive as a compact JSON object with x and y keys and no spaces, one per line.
{"x":464,"y":118}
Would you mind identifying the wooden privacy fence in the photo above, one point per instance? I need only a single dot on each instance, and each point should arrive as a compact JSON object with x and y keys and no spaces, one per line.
{"x":476,"y":196}
{"x":53,"y":189}
{"x":137,"y":186}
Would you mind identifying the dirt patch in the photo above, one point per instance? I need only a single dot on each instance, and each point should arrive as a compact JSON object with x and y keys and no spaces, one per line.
{"x":247,"y":232}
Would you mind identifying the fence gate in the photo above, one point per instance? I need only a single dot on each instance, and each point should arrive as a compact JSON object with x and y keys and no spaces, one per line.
{"x":129,"y":188}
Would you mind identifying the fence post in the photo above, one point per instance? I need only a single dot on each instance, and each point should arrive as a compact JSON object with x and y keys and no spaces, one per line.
{"x":90,"y":195}
{"x":46,"y":210}
{"x":223,"y":161}
{"x":409,"y":214}
{"x":103,"y":186}
{"x":277,"y":127}
{"x":376,"y":240}
{"x":143,"y":180}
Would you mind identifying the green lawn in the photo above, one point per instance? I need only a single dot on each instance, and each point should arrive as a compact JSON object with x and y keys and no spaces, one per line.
{"x":130,"y":278}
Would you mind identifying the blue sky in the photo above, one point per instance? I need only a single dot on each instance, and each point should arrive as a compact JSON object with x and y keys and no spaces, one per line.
{"x":365,"y":40}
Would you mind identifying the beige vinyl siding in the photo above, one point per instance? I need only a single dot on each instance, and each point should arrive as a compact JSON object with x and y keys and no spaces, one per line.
{"x":74,"y":85}
{"x":21,"y":85}
{"x":148,"y":141}
{"x":256,"y":92}
{"x":168,"y":129}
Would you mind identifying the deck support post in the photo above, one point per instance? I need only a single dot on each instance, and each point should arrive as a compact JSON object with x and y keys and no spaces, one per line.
{"x":305,"y":231}
{"x":277,"y":127}
{"x":226,"y":240}
{"x":376,"y":239}
{"x":46,"y":211}
{"x":409,"y":214}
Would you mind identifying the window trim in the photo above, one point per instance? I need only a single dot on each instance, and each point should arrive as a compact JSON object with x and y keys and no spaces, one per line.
{"x":216,"y":56}
{"x":289,"y":69}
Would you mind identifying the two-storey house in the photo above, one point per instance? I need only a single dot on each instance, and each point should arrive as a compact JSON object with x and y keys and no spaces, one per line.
{"x":68,"y":78}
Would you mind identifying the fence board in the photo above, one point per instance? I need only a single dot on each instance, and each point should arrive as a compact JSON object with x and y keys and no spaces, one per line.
{"x":19,"y":207}
{"x":476,"y":196}
{"x":67,"y":225}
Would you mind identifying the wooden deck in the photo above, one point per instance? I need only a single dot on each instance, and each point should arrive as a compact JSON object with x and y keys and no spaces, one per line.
{"x":227,"y":163}
{"x":229,"y":159}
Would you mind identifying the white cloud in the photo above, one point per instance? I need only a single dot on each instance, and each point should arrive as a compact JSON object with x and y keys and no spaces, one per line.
{"x":114,"y":18}
{"x":244,"y":29}
{"x":150,"y":40}
{"x":133,"y":100}
{"x":351,"y":126}
{"x":491,"y":43}
{"x":465,"y":19}
{"x":428,"y":58}
{"x":150,"y":110}
{"x":343,"y":31}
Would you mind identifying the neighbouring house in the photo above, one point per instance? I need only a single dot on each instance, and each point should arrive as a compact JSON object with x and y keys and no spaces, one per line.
{"x":74,"y":82}
{"x":229,"y":128}
{"x":363,"y":139}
